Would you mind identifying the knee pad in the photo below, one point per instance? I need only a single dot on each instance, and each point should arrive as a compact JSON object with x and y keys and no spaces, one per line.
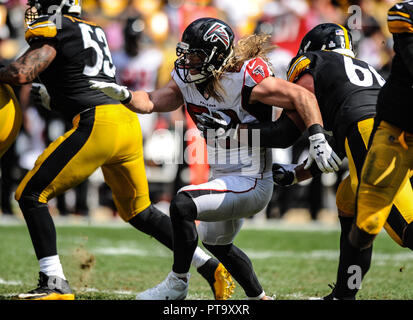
{"x":183,"y":207}
{"x":408,"y":236}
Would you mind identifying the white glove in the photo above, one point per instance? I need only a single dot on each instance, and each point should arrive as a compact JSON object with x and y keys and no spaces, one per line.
{"x":40,"y":95}
{"x":320,"y":151}
{"x":112,"y":90}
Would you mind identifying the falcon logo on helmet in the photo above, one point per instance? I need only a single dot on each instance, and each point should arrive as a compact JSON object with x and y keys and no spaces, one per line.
{"x":216,"y":33}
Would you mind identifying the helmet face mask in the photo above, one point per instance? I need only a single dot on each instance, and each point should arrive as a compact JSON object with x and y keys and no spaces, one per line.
{"x":49,"y":7}
{"x":193,"y":64}
{"x":327,"y":36}
{"x":205,"y":47}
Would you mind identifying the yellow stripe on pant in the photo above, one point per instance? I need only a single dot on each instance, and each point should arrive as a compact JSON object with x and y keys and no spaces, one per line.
{"x":10,"y":117}
{"x":401,"y":213}
{"x":385,"y":180}
{"x":108,"y":136}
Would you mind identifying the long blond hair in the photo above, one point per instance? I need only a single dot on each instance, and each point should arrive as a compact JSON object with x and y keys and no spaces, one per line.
{"x":253,"y":46}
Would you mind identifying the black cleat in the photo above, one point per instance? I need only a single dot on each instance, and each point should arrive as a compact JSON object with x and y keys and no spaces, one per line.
{"x":218,"y":278}
{"x":333,"y":295}
{"x":49,"y":288}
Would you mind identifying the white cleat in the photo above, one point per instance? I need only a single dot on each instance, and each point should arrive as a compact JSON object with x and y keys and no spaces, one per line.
{"x":172,"y":288}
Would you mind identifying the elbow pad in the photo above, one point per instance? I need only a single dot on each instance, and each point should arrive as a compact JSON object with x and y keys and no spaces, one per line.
{"x":282,"y":133}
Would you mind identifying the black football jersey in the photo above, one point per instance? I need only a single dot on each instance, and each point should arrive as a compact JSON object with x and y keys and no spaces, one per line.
{"x":346,"y":88}
{"x":395,"y":100}
{"x":82,"y":55}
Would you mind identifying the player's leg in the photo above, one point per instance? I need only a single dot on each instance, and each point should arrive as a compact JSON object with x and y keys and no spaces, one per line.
{"x":385,"y":174}
{"x":127,"y":180}
{"x":65,"y":162}
{"x":221,"y":199}
{"x":10,"y":117}
{"x":349,"y":255}
{"x":218,"y":238}
{"x":356,"y":149}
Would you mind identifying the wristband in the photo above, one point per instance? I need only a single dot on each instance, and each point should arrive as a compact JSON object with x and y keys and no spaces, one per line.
{"x":128,"y":99}
{"x":314,"y":129}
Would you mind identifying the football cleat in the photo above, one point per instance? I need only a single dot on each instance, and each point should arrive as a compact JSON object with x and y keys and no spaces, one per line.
{"x":332,"y":295}
{"x":49,"y":288}
{"x":172,"y":288}
{"x":218,"y":278}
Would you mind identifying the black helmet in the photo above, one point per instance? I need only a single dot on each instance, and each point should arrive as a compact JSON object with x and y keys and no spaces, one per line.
{"x":49,"y":7}
{"x":327,"y":36}
{"x":211,"y":40}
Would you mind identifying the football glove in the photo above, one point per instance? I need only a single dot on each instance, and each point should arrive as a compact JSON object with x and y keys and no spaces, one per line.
{"x":284,"y":174}
{"x":321,"y":152}
{"x":112,"y":90}
{"x":40,"y":96}
{"x":220,"y":125}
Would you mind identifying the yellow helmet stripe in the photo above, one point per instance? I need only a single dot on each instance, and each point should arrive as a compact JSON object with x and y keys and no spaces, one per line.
{"x":346,"y":37}
{"x":299,"y":66}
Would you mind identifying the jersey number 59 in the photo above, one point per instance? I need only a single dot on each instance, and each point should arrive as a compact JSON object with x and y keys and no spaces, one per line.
{"x":103,"y":57}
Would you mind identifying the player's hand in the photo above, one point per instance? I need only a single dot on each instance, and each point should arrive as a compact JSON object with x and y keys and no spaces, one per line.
{"x":40,"y":96}
{"x":112,"y":90}
{"x":284,"y":174}
{"x":220,"y":125}
{"x":321,"y":152}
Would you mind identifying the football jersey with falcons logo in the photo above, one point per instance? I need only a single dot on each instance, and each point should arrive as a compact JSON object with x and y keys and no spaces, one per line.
{"x":238,"y":160}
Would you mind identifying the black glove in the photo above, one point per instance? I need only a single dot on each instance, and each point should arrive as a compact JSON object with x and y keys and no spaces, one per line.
{"x":220,"y":124}
{"x":284,"y":174}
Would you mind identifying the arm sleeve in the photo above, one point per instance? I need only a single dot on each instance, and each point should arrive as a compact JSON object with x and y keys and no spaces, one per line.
{"x":278,"y":134}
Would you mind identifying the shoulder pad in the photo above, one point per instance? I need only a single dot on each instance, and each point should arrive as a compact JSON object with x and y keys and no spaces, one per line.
{"x":297,"y":66}
{"x":256,"y":71}
{"x":399,"y":18}
{"x":41,"y":28}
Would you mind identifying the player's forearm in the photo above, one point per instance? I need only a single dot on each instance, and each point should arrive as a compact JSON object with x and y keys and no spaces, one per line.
{"x":279,"y":134}
{"x":306,"y":105}
{"x":25,"y":69}
{"x":148,"y":102}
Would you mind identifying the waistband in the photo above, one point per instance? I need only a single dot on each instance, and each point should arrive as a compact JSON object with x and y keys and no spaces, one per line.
{"x":92,"y":110}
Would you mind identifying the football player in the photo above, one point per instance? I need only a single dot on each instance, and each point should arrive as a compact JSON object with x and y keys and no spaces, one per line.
{"x":346,"y":89}
{"x":215,"y":79}
{"x":65,"y":53}
{"x":10,"y":118}
{"x":389,"y":162}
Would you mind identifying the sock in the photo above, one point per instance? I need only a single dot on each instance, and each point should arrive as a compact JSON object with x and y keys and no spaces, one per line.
{"x":200,"y":258}
{"x":51,"y":266}
{"x":239,"y":266}
{"x":181,"y":276}
{"x":350,"y":256}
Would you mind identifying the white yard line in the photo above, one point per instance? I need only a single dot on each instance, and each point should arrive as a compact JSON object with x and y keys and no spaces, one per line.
{"x":256,"y":254}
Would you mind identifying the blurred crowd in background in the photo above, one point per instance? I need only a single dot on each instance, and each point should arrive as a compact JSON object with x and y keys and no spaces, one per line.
{"x":142,"y":35}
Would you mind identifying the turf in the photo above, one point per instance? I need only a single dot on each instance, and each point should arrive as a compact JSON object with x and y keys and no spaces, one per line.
{"x":114,"y":263}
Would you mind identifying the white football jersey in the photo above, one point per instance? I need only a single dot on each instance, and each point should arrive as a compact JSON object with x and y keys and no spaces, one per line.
{"x":227,"y":158}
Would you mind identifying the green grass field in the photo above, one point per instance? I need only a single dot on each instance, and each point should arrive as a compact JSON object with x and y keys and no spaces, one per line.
{"x":117,"y":262}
